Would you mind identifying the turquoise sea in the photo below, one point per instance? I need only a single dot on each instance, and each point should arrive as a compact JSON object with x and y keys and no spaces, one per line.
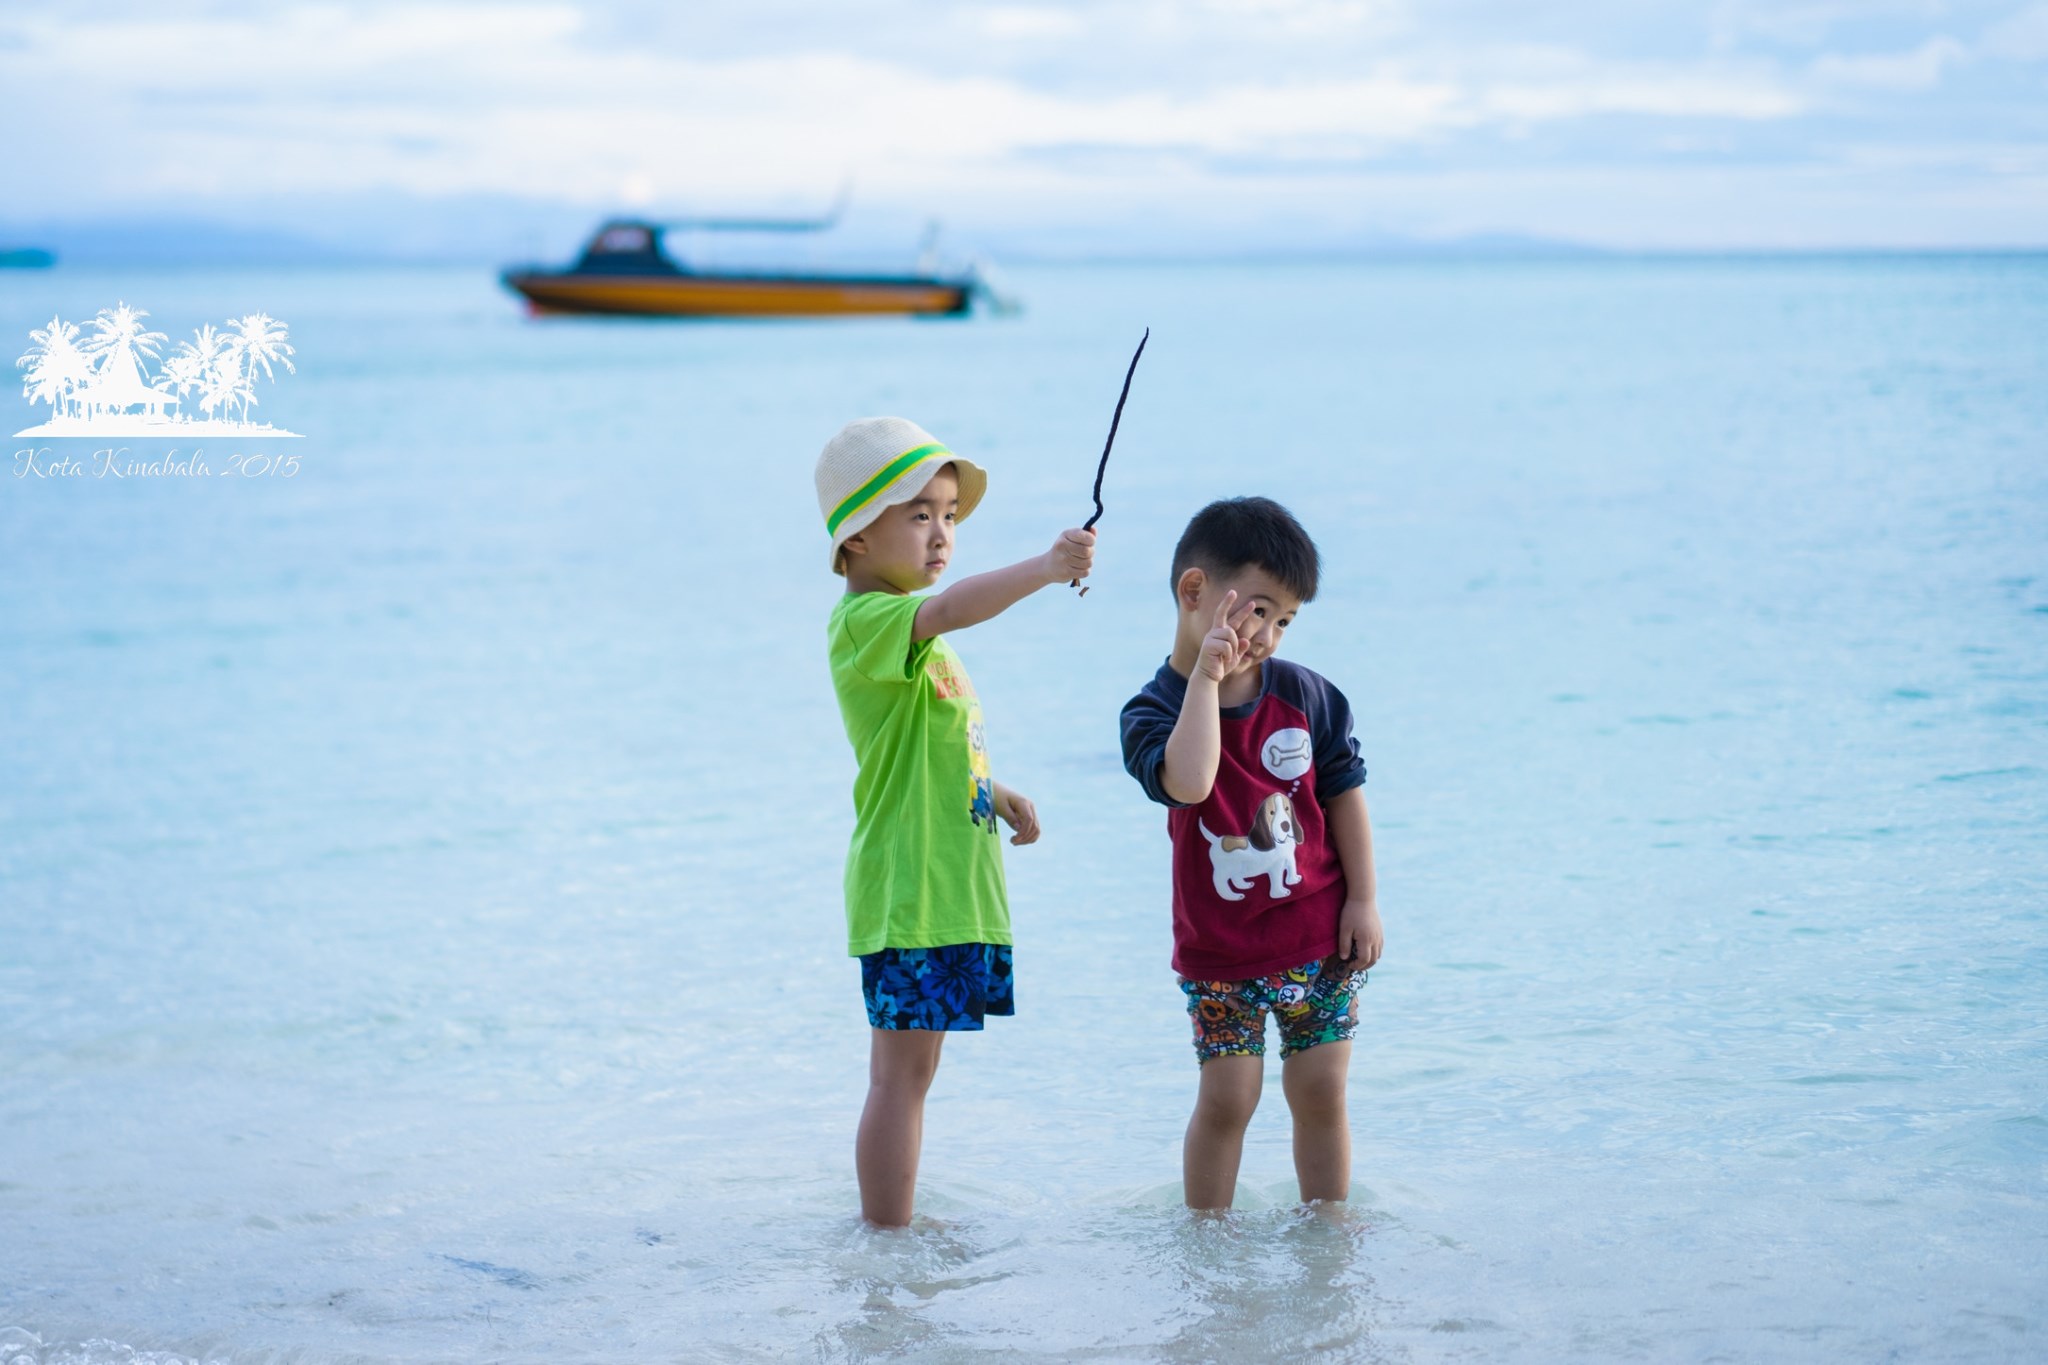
{"x":419,"y":920}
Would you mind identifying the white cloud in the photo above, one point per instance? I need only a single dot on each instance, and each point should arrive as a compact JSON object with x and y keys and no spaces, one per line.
{"x":1807,"y":23}
{"x":1312,"y":16}
{"x":1919,"y":69}
{"x":1669,"y":95}
{"x":1027,"y":22}
{"x":1122,"y":112}
{"x":438,"y":99}
{"x":2021,"y":37}
{"x":2015,"y":161}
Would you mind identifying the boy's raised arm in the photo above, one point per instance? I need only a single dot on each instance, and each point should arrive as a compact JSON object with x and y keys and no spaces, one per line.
{"x":1188,"y":771}
{"x":986,"y":595}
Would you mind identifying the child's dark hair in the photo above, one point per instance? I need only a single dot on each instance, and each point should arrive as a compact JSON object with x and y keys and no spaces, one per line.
{"x":1229,"y":534}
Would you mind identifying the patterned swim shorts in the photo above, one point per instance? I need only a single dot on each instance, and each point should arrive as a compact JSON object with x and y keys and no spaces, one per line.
{"x":1312,"y":1004}
{"x":947,"y":988}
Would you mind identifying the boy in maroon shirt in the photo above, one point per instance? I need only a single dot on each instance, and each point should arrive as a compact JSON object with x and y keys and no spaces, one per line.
{"x":1273,"y":897}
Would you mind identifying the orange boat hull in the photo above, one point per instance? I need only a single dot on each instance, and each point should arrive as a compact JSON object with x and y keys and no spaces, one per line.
{"x":735,"y":295}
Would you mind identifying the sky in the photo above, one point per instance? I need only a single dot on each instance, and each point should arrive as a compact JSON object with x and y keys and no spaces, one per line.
{"x":1115,"y":127}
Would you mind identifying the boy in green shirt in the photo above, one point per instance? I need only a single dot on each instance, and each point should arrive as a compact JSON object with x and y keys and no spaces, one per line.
{"x":926,"y":911}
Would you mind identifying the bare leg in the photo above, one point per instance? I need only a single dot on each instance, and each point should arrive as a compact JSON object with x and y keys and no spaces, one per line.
{"x":1314,"y":1084}
{"x":901,"y":1064}
{"x":1215,"y":1140}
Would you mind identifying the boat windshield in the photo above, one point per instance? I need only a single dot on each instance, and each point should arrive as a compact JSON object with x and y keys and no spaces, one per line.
{"x":626,"y":249}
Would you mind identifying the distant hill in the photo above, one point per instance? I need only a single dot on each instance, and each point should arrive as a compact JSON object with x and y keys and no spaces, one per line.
{"x":488,"y":231}
{"x":1332,"y":248}
{"x":170,"y":242}
{"x":495,"y":230}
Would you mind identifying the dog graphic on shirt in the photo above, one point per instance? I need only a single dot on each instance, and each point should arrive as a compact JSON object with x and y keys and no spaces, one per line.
{"x":1268,"y":851}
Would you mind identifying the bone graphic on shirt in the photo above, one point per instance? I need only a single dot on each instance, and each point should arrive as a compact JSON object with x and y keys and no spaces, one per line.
{"x":1287,"y":754}
{"x":1268,"y":851}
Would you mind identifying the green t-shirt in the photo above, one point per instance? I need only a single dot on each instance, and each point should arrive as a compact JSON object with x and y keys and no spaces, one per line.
{"x":925,"y":868}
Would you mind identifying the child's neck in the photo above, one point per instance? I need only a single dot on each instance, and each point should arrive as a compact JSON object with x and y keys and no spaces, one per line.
{"x":858,"y":581}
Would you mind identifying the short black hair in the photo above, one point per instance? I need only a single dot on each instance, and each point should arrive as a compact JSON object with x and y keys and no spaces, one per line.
{"x":1233,"y":532}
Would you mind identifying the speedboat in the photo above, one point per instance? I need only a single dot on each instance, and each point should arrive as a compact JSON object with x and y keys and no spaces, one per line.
{"x":626,"y":269}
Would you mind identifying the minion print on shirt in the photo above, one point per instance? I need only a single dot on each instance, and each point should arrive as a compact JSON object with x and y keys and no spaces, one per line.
{"x":982,"y":786}
{"x":950,"y":683}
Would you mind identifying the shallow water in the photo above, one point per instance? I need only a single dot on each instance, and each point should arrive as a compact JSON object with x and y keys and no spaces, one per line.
{"x":418,"y":877}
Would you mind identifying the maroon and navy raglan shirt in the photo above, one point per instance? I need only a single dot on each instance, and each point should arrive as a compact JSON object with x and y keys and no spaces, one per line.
{"x":1257,"y":882}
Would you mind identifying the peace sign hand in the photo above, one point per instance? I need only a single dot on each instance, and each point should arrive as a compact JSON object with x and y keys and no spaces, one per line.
{"x":1223,"y":648}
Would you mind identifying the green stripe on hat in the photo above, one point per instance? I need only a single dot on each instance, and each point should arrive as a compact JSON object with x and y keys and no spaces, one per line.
{"x":872,"y":489}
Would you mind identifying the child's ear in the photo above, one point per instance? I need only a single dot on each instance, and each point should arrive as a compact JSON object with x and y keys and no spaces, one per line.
{"x":854,"y":544}
{"x":1189,"y":589}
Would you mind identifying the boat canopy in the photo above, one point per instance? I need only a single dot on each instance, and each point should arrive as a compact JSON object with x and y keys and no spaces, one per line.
{"x":633,"y":246}
{"x":625,"y":247}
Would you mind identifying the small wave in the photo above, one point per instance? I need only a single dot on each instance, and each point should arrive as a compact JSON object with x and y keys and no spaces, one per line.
{"x":19,"y":1346}
{"x":2022,"y":771}
{"x":511,"y":1276}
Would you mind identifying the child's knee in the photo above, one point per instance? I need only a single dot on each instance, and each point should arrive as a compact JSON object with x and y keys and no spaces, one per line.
{"x":1226,"y":1111}
{"x":1227,"y":1100}
{"x":1317,"y":1096}
{"x":905,"y":1063}
{"x":898,"y":1095}
{"x":1323,"y":1106}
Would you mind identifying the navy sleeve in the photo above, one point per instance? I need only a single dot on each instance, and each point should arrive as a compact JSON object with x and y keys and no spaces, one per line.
{"x":1338,"y":765}
{"x":1148,"y":722}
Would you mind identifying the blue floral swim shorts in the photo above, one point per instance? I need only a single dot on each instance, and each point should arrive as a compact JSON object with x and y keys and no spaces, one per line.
{"x":1312,"y":1004}
{"x":947,"y":988}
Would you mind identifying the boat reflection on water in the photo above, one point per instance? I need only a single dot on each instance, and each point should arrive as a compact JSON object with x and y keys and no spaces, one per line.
{"x":627,"y":270}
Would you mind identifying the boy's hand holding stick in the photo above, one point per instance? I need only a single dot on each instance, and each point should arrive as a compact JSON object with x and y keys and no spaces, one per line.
{"x":1071,"y":557}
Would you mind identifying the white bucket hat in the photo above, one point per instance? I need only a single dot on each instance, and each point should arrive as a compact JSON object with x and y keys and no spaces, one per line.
{"x":876,"y":463}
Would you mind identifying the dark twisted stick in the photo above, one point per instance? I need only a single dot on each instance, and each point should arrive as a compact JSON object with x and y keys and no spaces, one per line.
{"x":1103,"y":464}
